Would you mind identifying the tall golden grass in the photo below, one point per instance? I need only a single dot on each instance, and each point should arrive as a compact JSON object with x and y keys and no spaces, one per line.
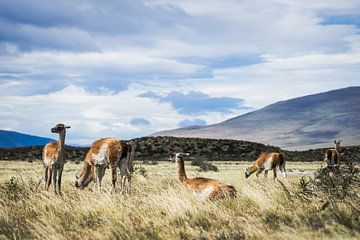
{"x":159,"y":208}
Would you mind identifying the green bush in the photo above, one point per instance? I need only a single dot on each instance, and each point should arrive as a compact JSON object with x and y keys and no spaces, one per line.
{"x":204,"y":165}
{"x":13,"y":190}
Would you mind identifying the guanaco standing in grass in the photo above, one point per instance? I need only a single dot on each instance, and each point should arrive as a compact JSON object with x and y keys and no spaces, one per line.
{"x":202,"y":188}
{"x":54,"y":158}
{"x":105,"y":153}
{"x":332,"y":156}
{"x":267,"y":161}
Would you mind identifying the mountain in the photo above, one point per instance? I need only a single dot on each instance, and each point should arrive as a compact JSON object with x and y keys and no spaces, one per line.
{"x":10,"y":139}
{"x":301,"y":123}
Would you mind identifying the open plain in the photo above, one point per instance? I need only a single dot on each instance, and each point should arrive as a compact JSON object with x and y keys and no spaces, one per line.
{"x":158,"y":207}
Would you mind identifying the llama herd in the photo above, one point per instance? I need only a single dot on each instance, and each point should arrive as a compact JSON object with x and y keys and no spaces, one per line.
{"x":116,"y":154}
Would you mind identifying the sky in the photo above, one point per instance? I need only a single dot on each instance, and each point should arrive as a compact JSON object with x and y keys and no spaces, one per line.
{"x":129,"y":68}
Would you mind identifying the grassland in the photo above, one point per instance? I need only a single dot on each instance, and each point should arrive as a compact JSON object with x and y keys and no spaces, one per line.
{"x":159,"y":208}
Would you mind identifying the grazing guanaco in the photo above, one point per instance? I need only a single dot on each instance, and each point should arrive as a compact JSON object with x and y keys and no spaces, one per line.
{"x":332,"y":156}
{"x":105,"y":153}
{"x":267,"y":161}
{"x":54,"y":158}
{"x":202,"y":188}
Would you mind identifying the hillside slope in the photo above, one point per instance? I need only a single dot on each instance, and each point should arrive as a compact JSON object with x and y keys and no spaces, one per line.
{"x":159,"y":148}
{"x":300,"y":123}
{"x":10,"y":139}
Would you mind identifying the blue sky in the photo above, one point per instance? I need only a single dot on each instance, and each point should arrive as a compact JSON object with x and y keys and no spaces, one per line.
{"x":131,"y":68}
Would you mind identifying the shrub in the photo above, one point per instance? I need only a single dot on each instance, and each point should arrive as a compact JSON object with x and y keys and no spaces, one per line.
{"x":204,"y":165}
{"x":141,"y":170}
{"x":338,"y":193}
{"x":13,"y":190}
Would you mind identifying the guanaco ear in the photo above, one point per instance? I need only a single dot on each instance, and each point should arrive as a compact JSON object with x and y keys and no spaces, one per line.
{"x":67,"y":127}
{"x":334,"y":141}
{"x":77,"y":176}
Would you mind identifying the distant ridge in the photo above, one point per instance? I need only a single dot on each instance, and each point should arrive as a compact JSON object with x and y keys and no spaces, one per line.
{"x":11,"y":139}
{"x":301,"y":123}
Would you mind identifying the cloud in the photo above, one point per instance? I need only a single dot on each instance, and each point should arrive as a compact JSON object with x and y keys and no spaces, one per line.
{"x":196,"y":102}
{"x":225,"y":61}
{"x":281,"y":78}
{"x":193,"y":122}
{"x":30,"y":37}
{"x":98,"y":64}
{"x":111,"y":71}
{"x":90,"y":115}
{"x":94,"y":115}
{"x":107,"y":46}
{"x":150,"y":94}
{"x":39,"y":24}
{"x":139,"y":121}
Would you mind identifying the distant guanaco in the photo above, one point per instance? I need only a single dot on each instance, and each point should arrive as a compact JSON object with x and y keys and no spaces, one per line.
{"x":202,"y":188}
{"x":267,"y":161}
{"x":332,"y":156}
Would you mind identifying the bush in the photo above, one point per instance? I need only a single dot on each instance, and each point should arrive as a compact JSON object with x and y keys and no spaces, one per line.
{"x":204,"y":165}
{"x":338,"y":194}
{"x":13,"y":190}
{"x":141,"y":170}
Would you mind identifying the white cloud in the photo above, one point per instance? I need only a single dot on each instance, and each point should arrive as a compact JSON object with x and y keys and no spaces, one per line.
{"x":280,"y":78}
{"x":90,"y":115}
{"x":96,"y":112}
{"x":51,"y":71}
{"x":86,"y":63}
{"x":233,"y":27}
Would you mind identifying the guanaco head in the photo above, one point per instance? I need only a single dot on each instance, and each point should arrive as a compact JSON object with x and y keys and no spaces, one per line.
{"x":77,"y":182}
{"x":175,"y":156}
{"x":337,"y":144}
{"x":59,"y":128}
{"x":82,"y":184}
{"x":247,"y":172}
{"x":85,"y":177}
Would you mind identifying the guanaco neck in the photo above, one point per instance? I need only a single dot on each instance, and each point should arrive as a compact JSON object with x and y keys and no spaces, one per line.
{"x":87,"y":174}
{"x":253,"y":169}
{"x":61,"y":145}
{"x":337,"y":147}
{"x":180,"y":169}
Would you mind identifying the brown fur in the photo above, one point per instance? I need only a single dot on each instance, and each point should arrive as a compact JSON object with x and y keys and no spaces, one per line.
{"x":203,"y":187}
{"x":51,"y":152}
{"x":267,"y":161}
{"x":104,"y":153}
{"x":332,"y":156}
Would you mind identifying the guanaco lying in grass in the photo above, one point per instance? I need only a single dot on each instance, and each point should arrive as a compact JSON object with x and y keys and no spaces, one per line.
{"x":202,"y":188}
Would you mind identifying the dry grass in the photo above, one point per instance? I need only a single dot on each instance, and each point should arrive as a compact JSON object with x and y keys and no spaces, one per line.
{"x":159,"y":208}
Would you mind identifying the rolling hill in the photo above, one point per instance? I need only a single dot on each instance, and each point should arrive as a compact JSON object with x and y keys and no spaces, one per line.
{"x":301,"y":123}
{"x":10,"y":139}
{"x":153,"y":149}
